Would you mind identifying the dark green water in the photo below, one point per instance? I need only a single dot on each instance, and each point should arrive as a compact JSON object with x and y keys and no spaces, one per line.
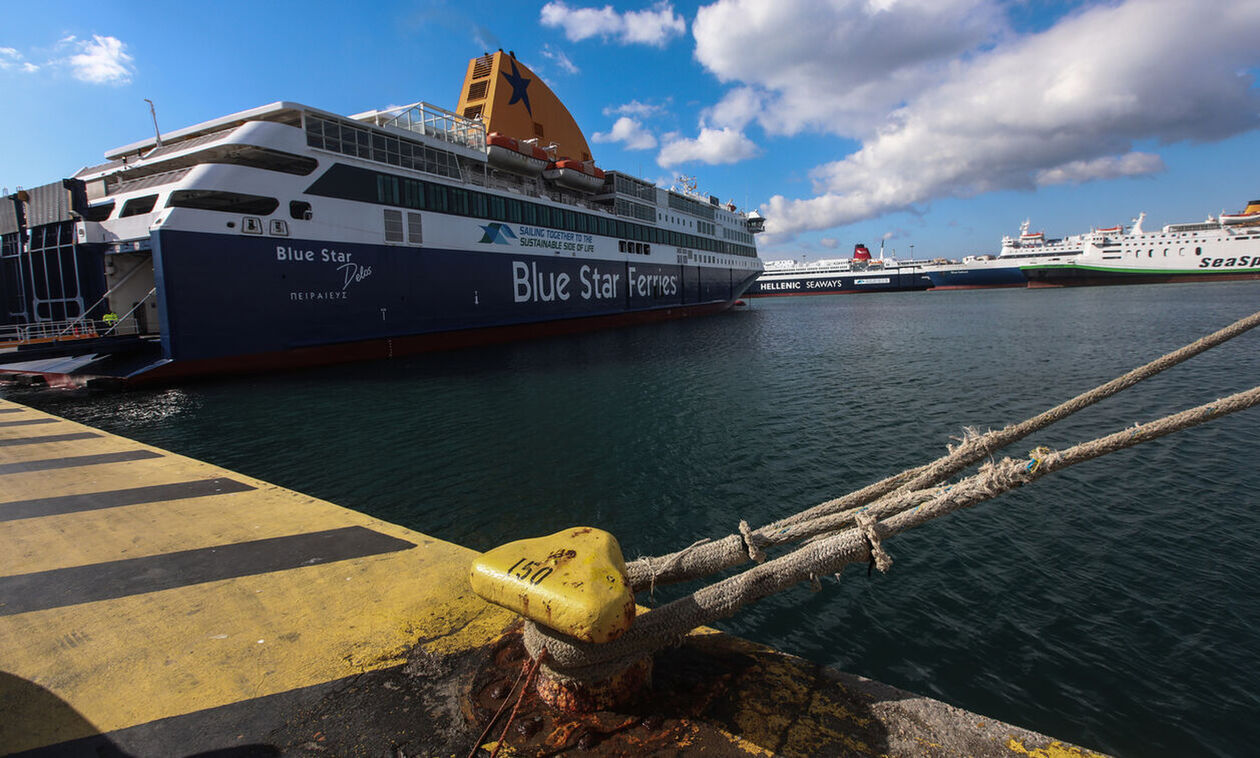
{"x":1113,"y":605}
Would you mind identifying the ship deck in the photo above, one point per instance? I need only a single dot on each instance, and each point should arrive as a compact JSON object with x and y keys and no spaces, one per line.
{"x":153,"y":604}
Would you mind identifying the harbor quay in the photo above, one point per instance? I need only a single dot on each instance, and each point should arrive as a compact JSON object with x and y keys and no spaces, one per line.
{"x":156,"y":605}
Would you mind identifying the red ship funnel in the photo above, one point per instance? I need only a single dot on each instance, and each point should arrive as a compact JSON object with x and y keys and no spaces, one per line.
{"x":860,"y":253}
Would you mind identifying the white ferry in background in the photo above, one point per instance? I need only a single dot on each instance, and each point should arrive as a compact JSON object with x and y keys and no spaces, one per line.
{"x":835,"y":276}
{"x":286,"y":235}
{"x":1005,"y":268}
{"x":1220,"y":248}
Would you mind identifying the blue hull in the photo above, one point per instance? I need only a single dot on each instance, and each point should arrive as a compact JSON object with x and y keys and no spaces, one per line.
{"x":973,"y":278}
{"x":224,"y":295}
{"x":234,"y":304}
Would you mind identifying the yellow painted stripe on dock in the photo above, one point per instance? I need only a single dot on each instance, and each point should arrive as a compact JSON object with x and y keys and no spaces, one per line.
{"x":134,"y":659}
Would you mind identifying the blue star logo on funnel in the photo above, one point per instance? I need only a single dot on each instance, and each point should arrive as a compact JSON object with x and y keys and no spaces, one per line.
{"x":497,"y":234}
{"x":519,"y":86}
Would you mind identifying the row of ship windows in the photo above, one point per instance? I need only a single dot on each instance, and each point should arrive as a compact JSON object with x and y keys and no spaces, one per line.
{"x":211,"y":200}
{"x":343,"y":138}
{"x":691,"y":207}
{"x":206,"y":200}
{"x":413,"y":232}
{"x":364,"y":185}
{"x":1195,"y":233}
{"x":1180,"y":251}
{"x":703,"y":227}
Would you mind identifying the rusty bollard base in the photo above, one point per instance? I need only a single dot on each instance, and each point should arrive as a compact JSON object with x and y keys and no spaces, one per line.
{"x":584,"y":697}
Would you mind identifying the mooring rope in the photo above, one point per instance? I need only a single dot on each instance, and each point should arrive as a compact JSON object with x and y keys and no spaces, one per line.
{"x":580,"y":661}
{"x":717,"y":555}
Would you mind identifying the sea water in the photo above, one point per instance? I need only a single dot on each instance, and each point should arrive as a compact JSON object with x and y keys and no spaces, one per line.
{"x":1112,"y":604}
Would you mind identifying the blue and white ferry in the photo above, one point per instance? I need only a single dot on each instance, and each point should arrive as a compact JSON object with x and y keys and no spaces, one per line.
{"x":286,"y":235}
{"x":1005,"y":268}
{"x":840,"y":276}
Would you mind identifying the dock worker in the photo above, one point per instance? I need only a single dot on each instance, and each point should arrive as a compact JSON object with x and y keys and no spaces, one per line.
{"x":110,"y":318}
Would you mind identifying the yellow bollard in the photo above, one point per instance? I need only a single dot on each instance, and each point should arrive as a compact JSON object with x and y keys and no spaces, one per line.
{"x":573,"y":581}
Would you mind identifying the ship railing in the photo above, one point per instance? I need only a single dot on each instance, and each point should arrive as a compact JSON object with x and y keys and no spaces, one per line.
{"x":432,"y":121}
{"x":495,"y":182}
{"x":532,"y":189}
{"x":68,"y":330}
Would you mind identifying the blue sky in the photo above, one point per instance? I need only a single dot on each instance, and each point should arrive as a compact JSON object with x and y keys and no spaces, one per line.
{"x":935,"y":123}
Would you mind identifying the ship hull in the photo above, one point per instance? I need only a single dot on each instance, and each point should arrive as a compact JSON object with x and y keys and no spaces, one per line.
{"x":977,"y":278}
{"x":1088,"y":276}
{"x":840,"y":284}
{"x":234,"y":304}
{"x":396,"y":347}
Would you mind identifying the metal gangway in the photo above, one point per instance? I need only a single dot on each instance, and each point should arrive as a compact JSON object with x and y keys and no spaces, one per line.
{"x":71,"y":330}
{"x":64,"y":331}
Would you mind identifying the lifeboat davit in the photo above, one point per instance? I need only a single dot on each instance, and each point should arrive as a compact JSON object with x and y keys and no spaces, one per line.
{"x":578,"y":175}
{"x":1110,"y":230}
{"x":1033,"y":237}
{"x":515,"y":155}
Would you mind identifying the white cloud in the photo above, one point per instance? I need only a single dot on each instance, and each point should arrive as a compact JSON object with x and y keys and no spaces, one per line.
{"x":1068,"y":104}
{"x":649,"y":27}
{"x":653,"y":27}
{"x":560,"y":59}
{"x":635,"y":108}
{"x":737,"y":108}
{"x":831,"y":243}
{"x":838,"y":66}
{"x":712,"y":146}
{"x":1106,"y":167}
{"x":10,"y":58}
{"x":103,"y":60}
{"x":581,"y":23}
{"x":629,"y":131}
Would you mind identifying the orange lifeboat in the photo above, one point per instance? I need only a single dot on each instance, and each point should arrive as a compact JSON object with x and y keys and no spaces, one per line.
{"x":578,"y":175}
{"x":515,"y":155}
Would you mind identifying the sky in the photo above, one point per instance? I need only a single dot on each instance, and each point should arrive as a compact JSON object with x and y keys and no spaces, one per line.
{"x":932,"y":127}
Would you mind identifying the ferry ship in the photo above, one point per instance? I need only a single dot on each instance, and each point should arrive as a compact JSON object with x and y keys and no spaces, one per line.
{"x":836,"y":276}
{"x":286,"y":235}
{"x":1225,"y":247}
{"x":1005,"y":268}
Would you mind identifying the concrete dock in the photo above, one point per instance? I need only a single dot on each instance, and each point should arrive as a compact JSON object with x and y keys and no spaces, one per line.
{"x":155,"y":605}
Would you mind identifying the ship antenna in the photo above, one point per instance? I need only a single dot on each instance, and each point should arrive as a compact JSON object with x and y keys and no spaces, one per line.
{"x":157,"y":135}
